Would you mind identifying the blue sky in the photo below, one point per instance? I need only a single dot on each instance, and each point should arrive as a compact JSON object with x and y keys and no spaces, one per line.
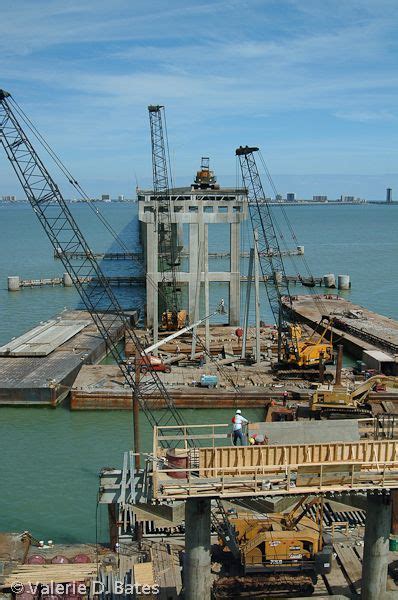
{"x":312,"y":82}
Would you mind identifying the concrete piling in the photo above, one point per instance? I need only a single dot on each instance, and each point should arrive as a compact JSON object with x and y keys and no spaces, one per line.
{"x":67,"y":280}
{"x":14,"y":283}
{"x":197,"y":577}
{"x":343,"y":282}
{"x":376,"y":546}
{"x":329,"y":280}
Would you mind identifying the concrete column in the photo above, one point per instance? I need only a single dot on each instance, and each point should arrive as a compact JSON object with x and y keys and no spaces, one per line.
{"x":14,"y":283}
{"x":196,"y":310}
{"x":206,"y":283}
{"x":234,"y":285}
{"x":343,"y":282}
{"x":197,"y":579}
{"x":247,"y":303}
{"x":257,"y":296}
{"x":193,"y":267}
{"x":67,"y":280}
{"x":180,"y":235}
{"x":375,"y":553}
{"x":394,"y":512}
{"x":152,"y":265}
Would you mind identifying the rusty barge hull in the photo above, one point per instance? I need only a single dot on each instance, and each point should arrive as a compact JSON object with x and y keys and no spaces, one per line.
{"x":102,"y":400}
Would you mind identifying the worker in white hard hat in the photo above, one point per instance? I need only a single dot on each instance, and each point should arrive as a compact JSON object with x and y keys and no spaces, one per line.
{"x":238,"y":422}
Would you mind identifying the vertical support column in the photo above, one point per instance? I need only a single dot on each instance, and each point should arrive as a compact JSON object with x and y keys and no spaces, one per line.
{"x":112,"y":524}
{"x":206,"y":283}
{"x":247,"y":303}
{"x":375,"y":552}
{"x":197,"y":298}
{"x":152,"y":265}
{"x":197,"y":580}
{"x":394,"y":512}
{"x":234,"y":284}
{"x":193,"y":267}
{"x":339,"y":364}
{"x":257,"y":295}
{"x":180,"y":235}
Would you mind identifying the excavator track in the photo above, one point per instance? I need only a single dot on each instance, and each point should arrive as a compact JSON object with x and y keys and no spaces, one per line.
{"x":309,"y":375}
{"x":262,"y":586}
{"x":345,"y":412}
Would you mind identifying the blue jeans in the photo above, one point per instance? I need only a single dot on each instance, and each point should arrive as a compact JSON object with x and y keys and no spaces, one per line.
{"x":239,"y":435}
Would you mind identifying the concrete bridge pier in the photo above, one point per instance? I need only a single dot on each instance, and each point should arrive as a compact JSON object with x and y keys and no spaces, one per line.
{"x":375,"y":553}
{"x":197,"y":576}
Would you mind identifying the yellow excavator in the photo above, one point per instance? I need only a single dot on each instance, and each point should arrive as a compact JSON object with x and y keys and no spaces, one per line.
{"x":337,"y":400}
{"x":280,"y":552}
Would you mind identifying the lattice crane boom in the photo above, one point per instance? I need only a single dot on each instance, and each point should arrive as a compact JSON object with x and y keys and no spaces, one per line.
{"x":268,"y":248}
{"x":65,"y":236}
{"x":168,"y":251}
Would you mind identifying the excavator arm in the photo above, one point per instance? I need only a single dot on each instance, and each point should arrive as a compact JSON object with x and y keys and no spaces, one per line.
{"x":360,"y":394}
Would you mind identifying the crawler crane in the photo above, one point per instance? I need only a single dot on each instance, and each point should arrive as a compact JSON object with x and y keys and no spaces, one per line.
{"x":294,"y":352}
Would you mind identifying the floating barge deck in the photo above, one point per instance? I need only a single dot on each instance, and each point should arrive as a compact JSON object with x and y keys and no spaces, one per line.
{"x":39,"y":367}
{"x":359,"y":329}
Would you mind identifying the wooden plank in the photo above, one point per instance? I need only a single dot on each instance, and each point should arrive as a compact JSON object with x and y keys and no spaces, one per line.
{"x":351,"y":565}
{"x":336,"y":581}
{"x":143,"y":574}
{"x":167,"y":574}
{"x":338,"y":474}
{"x":123,"y":486}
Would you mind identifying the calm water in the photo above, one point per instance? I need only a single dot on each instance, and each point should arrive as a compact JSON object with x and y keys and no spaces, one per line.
{"x":51,"y":458}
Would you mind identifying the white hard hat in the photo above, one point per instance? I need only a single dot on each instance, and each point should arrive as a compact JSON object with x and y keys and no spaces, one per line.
{"x":238,"y":412}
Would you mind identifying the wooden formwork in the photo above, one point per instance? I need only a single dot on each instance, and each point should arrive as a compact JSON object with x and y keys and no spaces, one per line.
{"x":236,"y":457}
{"x":229,"y":471}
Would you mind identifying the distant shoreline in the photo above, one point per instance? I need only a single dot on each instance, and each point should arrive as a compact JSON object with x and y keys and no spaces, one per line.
{"x":273,"y":203}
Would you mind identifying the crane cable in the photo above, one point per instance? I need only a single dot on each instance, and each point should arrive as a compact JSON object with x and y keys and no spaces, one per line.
{"x":318,"y":302}
{"x":77,"y":186}
{"x":46,"y":146}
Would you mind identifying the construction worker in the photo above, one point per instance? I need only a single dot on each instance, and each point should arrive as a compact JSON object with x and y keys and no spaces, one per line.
{"x":238,"y":421}
{"x":285,"y":397}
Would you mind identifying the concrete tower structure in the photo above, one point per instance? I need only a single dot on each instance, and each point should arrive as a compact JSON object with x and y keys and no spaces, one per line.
{"x":199,"y":207}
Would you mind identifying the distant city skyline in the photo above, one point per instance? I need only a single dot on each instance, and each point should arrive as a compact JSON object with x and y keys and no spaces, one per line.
{"x":313,"y":83}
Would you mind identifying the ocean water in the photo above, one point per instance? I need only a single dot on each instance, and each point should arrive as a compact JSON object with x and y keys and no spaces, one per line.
{"x":50,"y":459}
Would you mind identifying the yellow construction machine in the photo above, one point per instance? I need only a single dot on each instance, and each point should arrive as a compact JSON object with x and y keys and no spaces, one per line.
{"x":205,"y":179}
{"x":281,"y":552}
{"x":172,"y":321}
{"x":301,"y":357}
{"x":338,"y":400}
{"x":308,"y":352}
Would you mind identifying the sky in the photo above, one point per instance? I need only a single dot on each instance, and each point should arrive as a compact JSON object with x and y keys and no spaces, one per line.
{"x":313,"y":83}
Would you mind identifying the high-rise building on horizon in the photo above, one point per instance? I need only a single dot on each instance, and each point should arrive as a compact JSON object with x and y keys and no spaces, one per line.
{"x":389,"y":195}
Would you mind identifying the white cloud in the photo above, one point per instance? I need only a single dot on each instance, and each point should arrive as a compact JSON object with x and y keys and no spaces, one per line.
{"x":227,"y":71}
{"x":366,"y":116}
